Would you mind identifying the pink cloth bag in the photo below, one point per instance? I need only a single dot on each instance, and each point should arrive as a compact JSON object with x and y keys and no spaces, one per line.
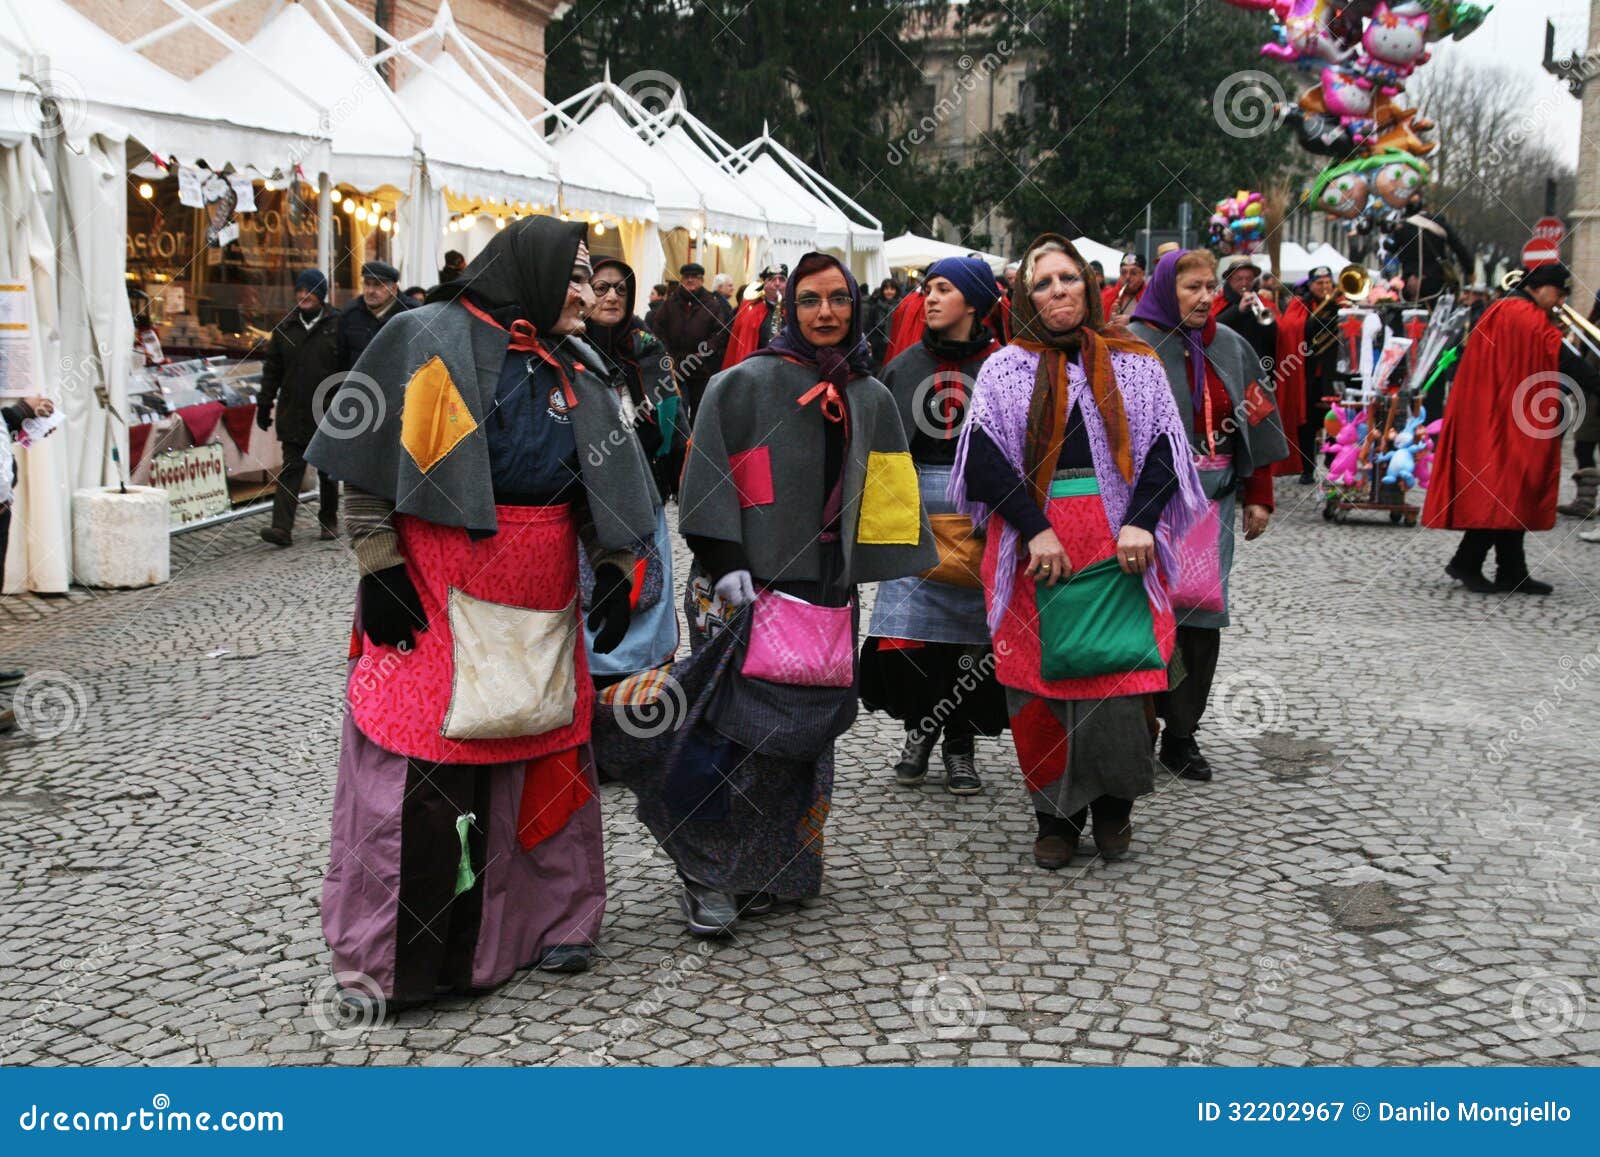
{"x":800,"y":644}
{"x":1199,"y":586}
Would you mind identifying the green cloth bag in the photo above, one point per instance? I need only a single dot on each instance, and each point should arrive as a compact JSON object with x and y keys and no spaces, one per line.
{"x":1097,"y":622}
{"x":667,"y":423}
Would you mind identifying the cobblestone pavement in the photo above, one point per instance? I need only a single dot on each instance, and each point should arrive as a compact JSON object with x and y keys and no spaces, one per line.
{"x":1397,"y":863}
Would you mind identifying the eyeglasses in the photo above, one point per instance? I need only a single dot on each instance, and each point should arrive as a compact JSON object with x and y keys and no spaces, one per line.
{"x":603,"y":288}
{"x":811,"y":302}
{"x":1048,"y":284}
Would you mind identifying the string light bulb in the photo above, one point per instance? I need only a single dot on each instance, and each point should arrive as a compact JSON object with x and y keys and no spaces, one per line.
{"x":335,"y":196}
{"x":146,"y":190}
{"x":349,"y":206}
{"x":361,"y":214}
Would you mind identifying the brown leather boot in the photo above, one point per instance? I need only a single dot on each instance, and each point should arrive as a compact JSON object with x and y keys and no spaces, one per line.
{"x":1054,"y":852}
{"x":1113,"y":845}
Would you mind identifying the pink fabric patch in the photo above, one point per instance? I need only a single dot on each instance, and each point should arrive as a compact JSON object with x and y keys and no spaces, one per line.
{"x":752,"y":476}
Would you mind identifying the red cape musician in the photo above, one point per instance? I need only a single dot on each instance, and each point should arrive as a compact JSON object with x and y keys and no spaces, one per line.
{"x":1498,"y":466}
{"x":760,"y":319}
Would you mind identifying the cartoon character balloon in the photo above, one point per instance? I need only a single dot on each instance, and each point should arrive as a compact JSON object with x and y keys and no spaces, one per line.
{"x":1363,"y":53}
{"x":1394,"y":45}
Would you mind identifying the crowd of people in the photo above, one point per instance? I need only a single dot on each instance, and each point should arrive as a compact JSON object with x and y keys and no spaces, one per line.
{"x":1044,"y":478}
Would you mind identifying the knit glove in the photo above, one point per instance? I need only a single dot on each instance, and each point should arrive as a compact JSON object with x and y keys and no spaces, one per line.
{"x":391,"y":609}
{"x":736,"y":588}
{"x":609,"y":609}
{"x":264,"y":414}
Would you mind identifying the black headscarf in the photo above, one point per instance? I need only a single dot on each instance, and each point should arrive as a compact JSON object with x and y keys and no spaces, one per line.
{"x":612,"y":340}
{"x":851,"y":358}
{"x":528,"y":264}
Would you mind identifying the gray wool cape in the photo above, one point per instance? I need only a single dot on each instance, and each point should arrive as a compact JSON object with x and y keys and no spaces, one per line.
{"x":1257,"y":432}
{"x":756,"y":405}
{"x":359,"y":438}
{"x":1259,"y":439}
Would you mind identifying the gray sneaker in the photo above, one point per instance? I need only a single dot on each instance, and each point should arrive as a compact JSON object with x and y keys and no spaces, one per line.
{"x":709,"y":912}
{"x":960,"y":773}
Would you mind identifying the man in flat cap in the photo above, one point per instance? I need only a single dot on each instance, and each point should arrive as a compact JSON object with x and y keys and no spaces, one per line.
{"x":360,"y":321}
{"x":690,"y":323}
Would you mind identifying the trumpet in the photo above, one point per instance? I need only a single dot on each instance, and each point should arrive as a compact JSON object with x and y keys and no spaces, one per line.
{"x":1263,"y":315}
{"x":1355,"y":283}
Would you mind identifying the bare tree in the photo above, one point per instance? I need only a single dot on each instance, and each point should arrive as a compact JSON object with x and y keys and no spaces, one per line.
{"x":1495,"y":156}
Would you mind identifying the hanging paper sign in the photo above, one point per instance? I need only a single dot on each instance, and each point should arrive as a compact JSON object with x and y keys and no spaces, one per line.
{"x":195,"y":479}
{"x":220,"y":201}
{"x":245,"y":191}
{"x":16,"y":341}
{"x":190,"y":187}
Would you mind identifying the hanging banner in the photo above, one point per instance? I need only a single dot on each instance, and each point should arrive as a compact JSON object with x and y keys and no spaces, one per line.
{"x":16,"y":342}
{"x":195,"y":479}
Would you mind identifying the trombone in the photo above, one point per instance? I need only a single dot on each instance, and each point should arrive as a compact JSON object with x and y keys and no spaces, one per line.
{"x":1580,"y":334}
{"x":1355,"y":284}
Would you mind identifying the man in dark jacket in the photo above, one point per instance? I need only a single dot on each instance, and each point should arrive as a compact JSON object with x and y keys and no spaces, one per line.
{"x":691,"y":324}
{"x":1246,"y":311}
{"x":360,"y":321}
{"x":880,"y":308}
{"x":302,"y":355}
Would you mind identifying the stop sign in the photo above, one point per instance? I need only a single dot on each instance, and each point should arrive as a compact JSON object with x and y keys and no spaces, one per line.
{"x":1550,"y":229}
{"x":1545,"y":248}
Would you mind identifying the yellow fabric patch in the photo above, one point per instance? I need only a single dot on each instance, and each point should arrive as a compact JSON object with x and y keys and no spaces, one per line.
{"x":891,"y":504}
{"x":433,"y":417}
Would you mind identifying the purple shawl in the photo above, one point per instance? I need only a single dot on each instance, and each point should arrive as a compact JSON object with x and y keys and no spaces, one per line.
{"x":1159,"y":307}
{"x":1000,"y":403}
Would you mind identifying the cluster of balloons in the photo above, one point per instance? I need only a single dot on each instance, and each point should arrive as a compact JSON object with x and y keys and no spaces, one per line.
{"x":1239,"y":224}
{"x":1362,"y":53}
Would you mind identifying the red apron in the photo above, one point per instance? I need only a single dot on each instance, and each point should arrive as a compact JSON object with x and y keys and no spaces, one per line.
{"x":504,"y":646}
{"x":1079,"y":521}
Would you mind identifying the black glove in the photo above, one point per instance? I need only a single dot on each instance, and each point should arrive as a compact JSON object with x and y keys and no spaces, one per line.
{"x":391,"y":609}
{"x":263,"y":415}
{"x":609,"y":611}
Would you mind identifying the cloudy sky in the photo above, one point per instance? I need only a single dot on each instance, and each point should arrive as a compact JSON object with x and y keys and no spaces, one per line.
{"x":1513,"y":36}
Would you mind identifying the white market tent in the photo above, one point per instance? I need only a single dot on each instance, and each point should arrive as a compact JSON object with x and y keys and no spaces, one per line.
{"x":844,"y":228}
{"x":65,"y":238}
{"x":908,"y":251}
{"x":1110,"y":259}
{"x":93,"y":74}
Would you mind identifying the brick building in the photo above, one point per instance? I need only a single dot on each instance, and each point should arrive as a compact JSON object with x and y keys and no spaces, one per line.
{"x":511,"y":30}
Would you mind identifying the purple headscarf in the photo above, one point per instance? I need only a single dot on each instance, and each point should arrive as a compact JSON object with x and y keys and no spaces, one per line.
{"x":851,"y":358}
{"x":1159,"y":307}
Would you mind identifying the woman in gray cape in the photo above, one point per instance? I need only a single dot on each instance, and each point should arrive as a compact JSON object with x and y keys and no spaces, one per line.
{"x":798,"y":486}
{"x":480,"y":459}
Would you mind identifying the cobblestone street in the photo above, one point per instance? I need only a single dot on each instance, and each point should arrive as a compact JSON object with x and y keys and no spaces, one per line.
{"x":1397,"y":863}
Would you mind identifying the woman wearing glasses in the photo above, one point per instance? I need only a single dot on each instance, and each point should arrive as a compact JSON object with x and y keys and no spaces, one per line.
{"x":636,"y":360}
{"x":798,"y":486}
{"x":1075,"y":458}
